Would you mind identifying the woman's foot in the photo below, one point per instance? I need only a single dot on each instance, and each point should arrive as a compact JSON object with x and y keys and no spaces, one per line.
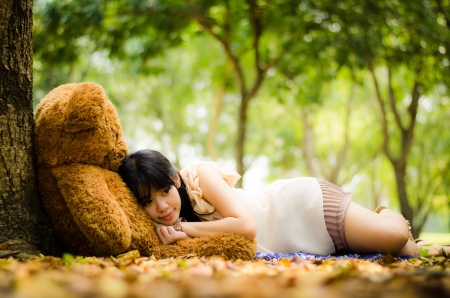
{"x":410,"y":249}
{"x":428,"y":249}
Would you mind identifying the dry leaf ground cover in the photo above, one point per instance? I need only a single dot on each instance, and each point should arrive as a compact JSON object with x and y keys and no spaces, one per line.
{"x":131,"y":275}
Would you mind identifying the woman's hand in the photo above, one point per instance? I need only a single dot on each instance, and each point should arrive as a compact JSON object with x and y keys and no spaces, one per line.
{"x":168,"y":234}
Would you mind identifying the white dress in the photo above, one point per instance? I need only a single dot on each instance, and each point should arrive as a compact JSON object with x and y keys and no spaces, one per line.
{"x":288,"y":213}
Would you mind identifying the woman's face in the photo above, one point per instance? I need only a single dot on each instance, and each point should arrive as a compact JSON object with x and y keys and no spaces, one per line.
{"x":165,"y":206}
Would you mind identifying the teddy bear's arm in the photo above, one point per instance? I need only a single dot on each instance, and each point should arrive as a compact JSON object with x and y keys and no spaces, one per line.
{"x":227,"y":245}
{"x":95,"y":209}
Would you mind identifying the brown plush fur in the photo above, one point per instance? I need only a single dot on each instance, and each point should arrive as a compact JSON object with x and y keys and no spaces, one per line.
{"x":79,"y":148}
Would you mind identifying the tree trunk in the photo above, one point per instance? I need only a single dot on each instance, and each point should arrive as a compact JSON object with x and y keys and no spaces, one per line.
{"x":399,"y":163}
{"x":210,"y":139}
{"x":240,"y":141}
{"x":247,"y":93}
{"x":405,"y":207}
{"x":23,"y":225}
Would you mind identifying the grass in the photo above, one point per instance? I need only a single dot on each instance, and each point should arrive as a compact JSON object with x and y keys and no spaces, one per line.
{"x":439,"y":238}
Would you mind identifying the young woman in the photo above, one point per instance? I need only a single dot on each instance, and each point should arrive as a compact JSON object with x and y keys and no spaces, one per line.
{"x":288,"y":216}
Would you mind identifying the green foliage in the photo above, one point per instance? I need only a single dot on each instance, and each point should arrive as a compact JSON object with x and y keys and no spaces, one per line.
{"x":61,"y":29}
{"x":166,"y":64}
{"x":68,"y":258}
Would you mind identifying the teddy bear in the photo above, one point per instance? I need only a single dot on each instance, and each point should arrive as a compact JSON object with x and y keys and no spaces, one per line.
{"x":79,"y":147}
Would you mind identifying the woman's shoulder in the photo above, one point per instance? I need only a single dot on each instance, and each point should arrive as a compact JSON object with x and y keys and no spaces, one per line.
{"x":191,"y":172}
{"x":192,"y":179}
{"x":196,"y":165}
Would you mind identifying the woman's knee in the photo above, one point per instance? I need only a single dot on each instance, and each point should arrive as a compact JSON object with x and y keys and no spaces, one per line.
{"x":367,"y":231}
{"x":396,"y":235}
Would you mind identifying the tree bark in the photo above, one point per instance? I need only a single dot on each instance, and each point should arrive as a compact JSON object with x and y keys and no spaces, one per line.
{"x":23,"y":225}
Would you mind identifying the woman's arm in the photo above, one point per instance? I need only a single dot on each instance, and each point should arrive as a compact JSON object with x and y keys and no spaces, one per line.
{"x":236,"y":215}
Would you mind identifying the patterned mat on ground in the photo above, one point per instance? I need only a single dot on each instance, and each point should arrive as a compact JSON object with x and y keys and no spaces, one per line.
{"x":308,"y":256}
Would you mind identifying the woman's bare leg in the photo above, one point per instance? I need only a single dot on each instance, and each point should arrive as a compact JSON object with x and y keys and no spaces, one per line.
{"x":433,"y":249}
{"x":410,"y":248}
{"x":384,"y":232}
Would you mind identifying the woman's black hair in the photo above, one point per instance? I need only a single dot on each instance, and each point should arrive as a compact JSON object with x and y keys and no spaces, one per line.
{"x":148,"y":170}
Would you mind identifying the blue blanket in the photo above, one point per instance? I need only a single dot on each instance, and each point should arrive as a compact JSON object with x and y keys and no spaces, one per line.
{"x":308,"y":256}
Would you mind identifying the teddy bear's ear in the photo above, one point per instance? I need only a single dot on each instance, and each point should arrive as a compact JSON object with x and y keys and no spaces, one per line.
{"x":85,"y":108}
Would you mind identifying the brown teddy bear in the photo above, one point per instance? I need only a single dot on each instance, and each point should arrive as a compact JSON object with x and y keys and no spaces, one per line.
{"x":79,"y":148}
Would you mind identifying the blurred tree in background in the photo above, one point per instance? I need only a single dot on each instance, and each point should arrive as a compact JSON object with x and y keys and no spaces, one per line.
{"x":355,"y":92}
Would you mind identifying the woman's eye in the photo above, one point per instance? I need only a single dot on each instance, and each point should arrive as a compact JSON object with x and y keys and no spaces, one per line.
{"x":147,"y":203}
{"x":166,"y":190}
